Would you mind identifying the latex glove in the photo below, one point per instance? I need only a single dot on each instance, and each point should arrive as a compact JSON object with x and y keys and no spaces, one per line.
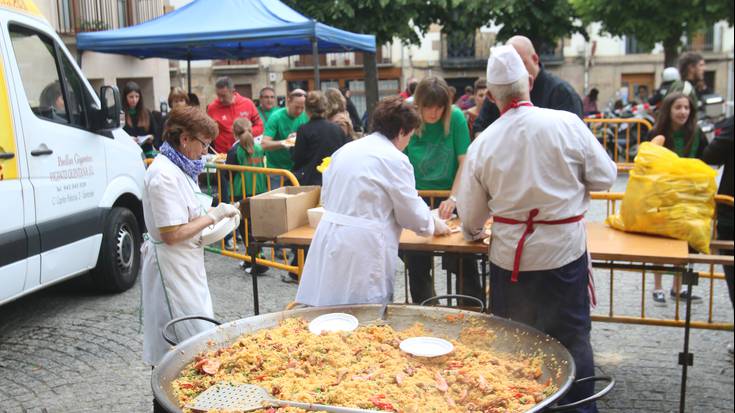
{"x":440,"y":227}
{"x":659,"y":140}
{"x":222,"y":211}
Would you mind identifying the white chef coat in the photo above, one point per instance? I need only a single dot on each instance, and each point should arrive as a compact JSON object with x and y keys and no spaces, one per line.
{"x":369,"y":194}
{"x":533,"y":158}
{"x":169,"y":198}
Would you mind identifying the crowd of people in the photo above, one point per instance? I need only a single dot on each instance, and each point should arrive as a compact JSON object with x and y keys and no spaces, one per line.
{"x":512,"y":147}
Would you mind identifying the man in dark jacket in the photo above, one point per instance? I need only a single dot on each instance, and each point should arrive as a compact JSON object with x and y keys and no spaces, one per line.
{"x":720,"y":152}
{"x":548,"y":90}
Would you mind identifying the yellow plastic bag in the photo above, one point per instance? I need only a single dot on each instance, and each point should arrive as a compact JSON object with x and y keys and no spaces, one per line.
{"x":670,"y":196}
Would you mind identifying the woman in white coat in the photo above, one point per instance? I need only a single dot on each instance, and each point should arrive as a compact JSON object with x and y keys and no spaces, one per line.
{"x":174,"y":281}
{"x":369,"y":196}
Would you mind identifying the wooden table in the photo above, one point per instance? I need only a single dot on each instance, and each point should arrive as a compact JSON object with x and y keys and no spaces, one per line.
{"x":604,"y":243}
{"x":608,"y":244}
{"x":452,"y":243}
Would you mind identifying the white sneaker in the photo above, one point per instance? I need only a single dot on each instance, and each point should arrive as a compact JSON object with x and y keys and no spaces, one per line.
{"x":229,"y":244}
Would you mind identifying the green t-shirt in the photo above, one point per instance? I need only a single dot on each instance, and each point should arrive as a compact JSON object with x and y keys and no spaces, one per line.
{"x":266,"y":114}
{"x":680,"y":144}
{"x":279,"y":126}
{"x":256,"y":159}
{"x":434,"y":154}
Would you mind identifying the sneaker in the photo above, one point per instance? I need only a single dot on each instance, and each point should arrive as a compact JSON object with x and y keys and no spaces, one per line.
{"x":659,"y":296}
{"x":229,"y":244}
{"x":291,"y":278}
{"x":683,"y":295}
{"x":244,"y":265}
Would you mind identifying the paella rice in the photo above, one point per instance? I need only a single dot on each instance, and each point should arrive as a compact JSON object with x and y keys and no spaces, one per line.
{"x":365,"y":368}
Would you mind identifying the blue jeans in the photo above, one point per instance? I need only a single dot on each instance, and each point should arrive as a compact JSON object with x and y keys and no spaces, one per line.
{"x":556,"y":302}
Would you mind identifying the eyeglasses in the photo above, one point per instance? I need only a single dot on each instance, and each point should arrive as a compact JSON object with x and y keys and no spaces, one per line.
{"x":206,"y":145}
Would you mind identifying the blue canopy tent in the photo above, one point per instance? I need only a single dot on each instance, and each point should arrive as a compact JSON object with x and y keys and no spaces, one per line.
{"x":227,"y":29}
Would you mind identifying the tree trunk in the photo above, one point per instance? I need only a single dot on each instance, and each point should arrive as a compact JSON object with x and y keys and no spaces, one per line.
{"x":671,"y":51}
{"x":370,"y":67}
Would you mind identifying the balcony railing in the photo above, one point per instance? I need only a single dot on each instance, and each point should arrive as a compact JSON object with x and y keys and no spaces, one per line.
{"x":74,"y":16}
{"x":340,"y":60}
{"x":471,"y":51}
{"x":465,"y":51}
{"x":236,"y":62}
{"x":236,"y":66}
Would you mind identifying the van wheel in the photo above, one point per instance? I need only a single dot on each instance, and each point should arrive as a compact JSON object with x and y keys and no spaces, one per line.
{"x":119,"y":260}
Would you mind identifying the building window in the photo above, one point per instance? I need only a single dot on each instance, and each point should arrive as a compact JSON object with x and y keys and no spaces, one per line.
{"x":122,"y":13}
{"x":387,"y":87}
{"x":633,"y":47}
{"x":460,"y":45}
{"x":702,"y":41}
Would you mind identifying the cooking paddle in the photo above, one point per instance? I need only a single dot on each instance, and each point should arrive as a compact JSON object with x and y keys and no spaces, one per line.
{"x":228,"y":397}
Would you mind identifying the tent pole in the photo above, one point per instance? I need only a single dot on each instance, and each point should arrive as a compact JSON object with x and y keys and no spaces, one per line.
{"x":315,"y":56}
{"x":188,"y":75}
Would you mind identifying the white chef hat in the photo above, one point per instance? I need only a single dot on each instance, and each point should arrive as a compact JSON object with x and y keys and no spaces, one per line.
{"x":505,"y":66}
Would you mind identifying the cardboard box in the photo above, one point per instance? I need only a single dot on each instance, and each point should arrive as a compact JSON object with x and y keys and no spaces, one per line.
{"x":281,"y":210}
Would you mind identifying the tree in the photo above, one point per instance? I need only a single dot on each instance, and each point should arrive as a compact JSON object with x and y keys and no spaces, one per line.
{"x":544,"y":22}
{"x":654,"y":21}
{"x":385,"y":19}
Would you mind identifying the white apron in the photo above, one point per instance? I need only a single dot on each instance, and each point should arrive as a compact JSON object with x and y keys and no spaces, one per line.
{"x":354,"y":254}
{"x":352,"y":260}
{"x":173,"y":277}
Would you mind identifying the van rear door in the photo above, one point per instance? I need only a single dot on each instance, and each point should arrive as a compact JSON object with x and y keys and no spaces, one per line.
{"x":19,"y":242}
{"x":66,"y":162}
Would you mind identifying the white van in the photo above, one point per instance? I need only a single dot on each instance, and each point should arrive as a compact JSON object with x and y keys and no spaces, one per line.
{"x":70,"y":178}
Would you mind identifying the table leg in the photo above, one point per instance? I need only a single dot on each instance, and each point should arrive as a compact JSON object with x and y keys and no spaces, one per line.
{"x":449,"y":277}
{"x":405,"y":277}
{"x":253,"y":252}
{"x":686,"y":359}
{"x":484,"y":282}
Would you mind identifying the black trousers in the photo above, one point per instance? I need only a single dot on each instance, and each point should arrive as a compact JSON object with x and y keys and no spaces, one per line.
{"x":422,"y":286}
{"x":556,"y":302}
{"x":419,"y":272}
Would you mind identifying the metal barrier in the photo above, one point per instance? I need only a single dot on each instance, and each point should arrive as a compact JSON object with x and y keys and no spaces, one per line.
{"x":620,"y":135}
{"x":612,"y":199}
{"x":231,"y":171}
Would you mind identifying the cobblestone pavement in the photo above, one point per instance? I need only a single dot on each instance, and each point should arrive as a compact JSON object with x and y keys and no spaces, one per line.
{"x":62,"y":350}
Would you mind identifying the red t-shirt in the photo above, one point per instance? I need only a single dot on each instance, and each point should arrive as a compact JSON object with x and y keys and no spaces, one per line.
{"x":225,"y":116}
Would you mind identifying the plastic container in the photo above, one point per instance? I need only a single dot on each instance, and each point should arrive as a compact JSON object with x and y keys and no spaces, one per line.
{"x":315,"y":215}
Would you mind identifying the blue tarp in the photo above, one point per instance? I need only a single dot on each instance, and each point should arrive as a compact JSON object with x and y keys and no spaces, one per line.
{"x":225,"y":29}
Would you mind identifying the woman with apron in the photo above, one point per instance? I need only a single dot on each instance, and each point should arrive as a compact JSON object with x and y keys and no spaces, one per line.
{"x":173,"y":278}
{"x":369,"y":196}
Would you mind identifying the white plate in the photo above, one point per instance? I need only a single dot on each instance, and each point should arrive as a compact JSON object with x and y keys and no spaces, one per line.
{"x":333,"y":322}
{"x":426,"y":346}
{"x":213,"y":234}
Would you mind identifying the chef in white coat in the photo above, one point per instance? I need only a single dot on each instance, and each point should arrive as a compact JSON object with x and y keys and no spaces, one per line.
{"x":532,"y":170}
{"x":174,"y":281}
{"x":369,"y":195}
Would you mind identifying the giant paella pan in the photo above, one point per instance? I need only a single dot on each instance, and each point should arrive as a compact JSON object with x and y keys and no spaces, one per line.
{"x":523,"y":353}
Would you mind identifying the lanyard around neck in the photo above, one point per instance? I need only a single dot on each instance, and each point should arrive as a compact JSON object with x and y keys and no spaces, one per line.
{"x":515,"y":104}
